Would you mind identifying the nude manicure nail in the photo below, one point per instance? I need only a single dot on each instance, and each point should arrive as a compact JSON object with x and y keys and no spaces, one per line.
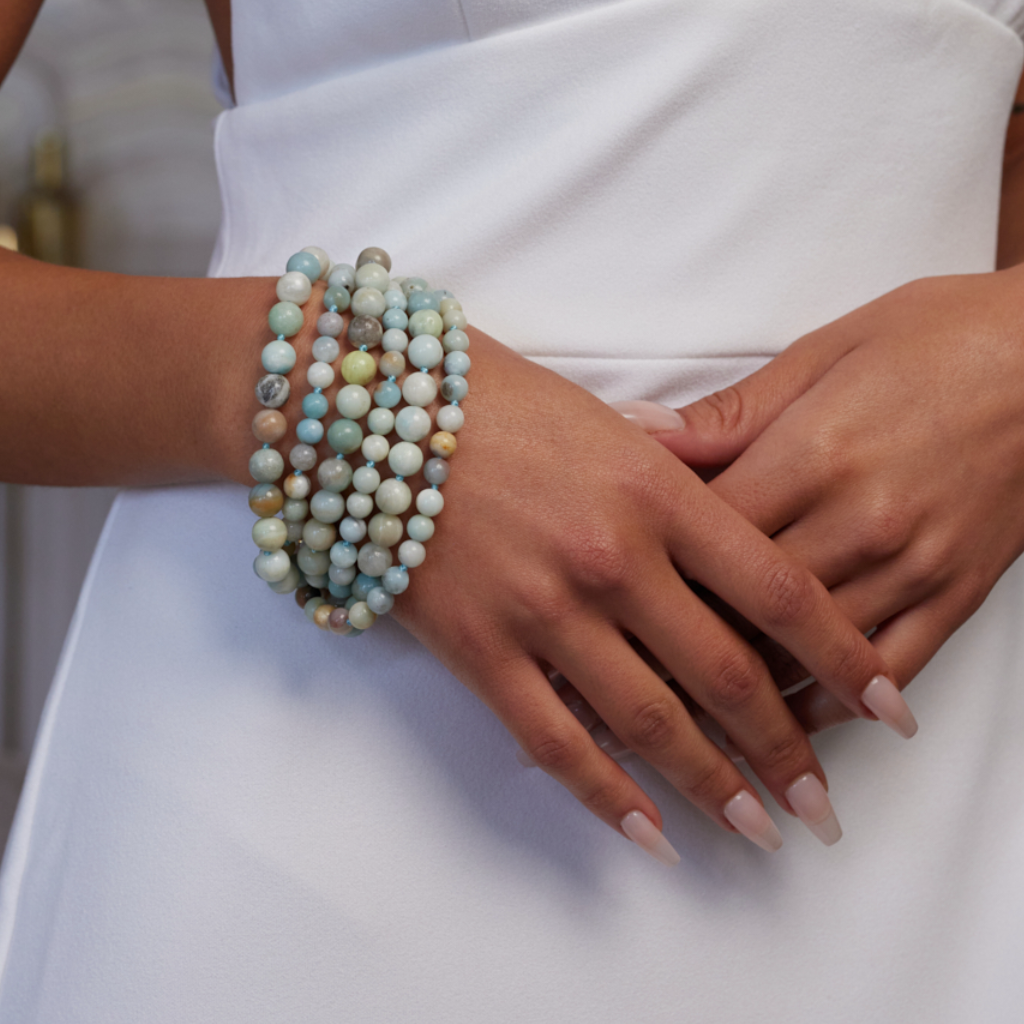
{"x":645,"y":834}
{"x":745,"y":813}
{"x":650,"y":416}
{"x":808,"y":798}
{"x":882,"y":697}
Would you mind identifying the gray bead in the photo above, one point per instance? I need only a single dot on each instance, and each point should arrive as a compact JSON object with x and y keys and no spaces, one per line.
{"x":334,"y":475}
{"x":380,"y":601}
{"x":294,"y":531}
{"x":272,"y":390}
{"x":303,"y":456}
{"x":374,"y":255}
{"x":327,"y":506}
{"x":342,"y":575}
{"x":454,"y":388}
{"x":395,"y":581}
{"x":266,"y":465}
{"x":436,"y":471}
{"x":313,"y":563}
{"x":373,"y":560}
{"x":365,"y":330}
{"x":326,"y":349}
{"x":330,"y":324}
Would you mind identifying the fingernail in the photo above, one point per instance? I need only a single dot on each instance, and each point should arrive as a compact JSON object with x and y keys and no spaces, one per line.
{"x":644,"y":833}
{"x":650,"y":416}
{"x":584,"y":713}
{"x":808,"y":798}
{"x":882,"y":697}
{"x":745,"y":813}
{"x":609,"y":742}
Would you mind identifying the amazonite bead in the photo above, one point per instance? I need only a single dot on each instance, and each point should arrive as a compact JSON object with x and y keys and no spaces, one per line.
{"x":413,"y":284}
{"x":288,"y":584}
{"x":343,"y":576}
{"x":311,"y":606}
{"x":374,"y":254}
{"x":294,"y":287}
{"x":307,"y":263}
{"x":374,"y":560}
{"x":375,"y":448}
{"x":334,"y":475}
{"x":312,"y":562}
{"x":358,"y":368}
{"x":395,"y":340}
{"x":420,"y":528}
{"x":321,"y":257}
{"x":266,"y":500}
{"x":412,"y":423}
{"x":319,"y":536}
{"x":269,"y":426}
{"x":269,"y":534}
{"x":327,"y":506}
{"x":285,"y":318}
{"x":360,"y":616}
{"x":454,"y":318}
{"x":352,"y":530}
{"x":426,"y":321}
{"x":320,"y":375}
{"x":315,"y":406}
{"x":392,"y":364}
{"x":353,"y":401}
{"x":420,"y":389}
{"x":395,"y":298}
{"x":273,"y":390}
{"x":340,"y":591}
{"x":362,"y":585}
{"x":338,"y":622}
{"x":383,"y":529}
{"x":322,"y":616}
{"x":448,"y":304}
{"x":266,"y":465}
{"x":422,"y":300}
{"x":405,"y":459}
{"x":395,"y":319}
{"x":395,"y":581}
{"x":436,"y":471}
{"x":411,"y":553}
{"x":344,"y":554}
{"x":368,"y":302}
{"x":387,"y":394}
{"x":425,"y":351}
{"x":303,"y":457}
{"x":379,"y":601}
{"x":345,"y":436}
{"x":454,"y":388}
{"x":450,"y":418}
{"x":381,"y":421}
{"x":318,"y":580}
{"x":342,"y":275}
{"x":365,"y":480}
{"x":429,"y":502}
{"x":373,"y":275}
{"x":359,"y":505}
{"x":337,"y":299}
{"x":310,"y":431}
{"x":457,"y":363}
{"x":443,"y":445}
{"x":295,"y":509}
{"x":297,"y":485}
{"x":393,"y":496}
{"x":294,"y":531}
{"x":326,"y":348}
{"x":272,"y":566}
{"x":455,"y":341}
{"x":329,"y":325}
{"x":278,"y":357}
{"x":365,"y":331}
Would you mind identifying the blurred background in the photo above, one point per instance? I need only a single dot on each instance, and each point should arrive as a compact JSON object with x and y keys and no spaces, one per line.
{"x":106,"y":162}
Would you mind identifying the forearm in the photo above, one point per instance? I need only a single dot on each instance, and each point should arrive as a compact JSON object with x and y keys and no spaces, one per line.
{"x":118,"y":380}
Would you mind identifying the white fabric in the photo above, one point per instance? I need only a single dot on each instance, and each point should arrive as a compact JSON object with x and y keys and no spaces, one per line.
{"x":232,"y":817}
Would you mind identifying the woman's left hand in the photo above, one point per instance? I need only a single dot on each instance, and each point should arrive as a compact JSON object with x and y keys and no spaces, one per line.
{"x":885,"y":451}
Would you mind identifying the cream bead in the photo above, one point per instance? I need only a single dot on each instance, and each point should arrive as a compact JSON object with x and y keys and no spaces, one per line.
{"x":320,"y":375}
{"x":375,"y":448}
{"x":393,"y":497}
{"x":366,"y":480}
{"x":450,"y":418}
{"x":412,"y":423}
{"x":449,"y":304}
{"x":419,"y":389}
{"x":272,"y":566}
{"x":429,"y":502}
{"x":373,"y":275}
{"x":454,"y":318}
{"x":352,"y":530}
{"x":359,"y":505}
{"x":319,"y":536}
{"x":411,"y":553}
{"x":270,"y":534}
{"x":353,"y":401}
{"x":360,"y":616}
{"x":384,"y":530}
{"x":368,"y":302}
{"x":288,"y":584}
{"x":297,"y":486}
{"x":405,"y":459}
{"x":294,"y":287}
{"x":322,"y":258}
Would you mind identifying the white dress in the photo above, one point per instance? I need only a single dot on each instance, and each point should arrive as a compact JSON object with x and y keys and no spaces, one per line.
{"x":230,"y":817}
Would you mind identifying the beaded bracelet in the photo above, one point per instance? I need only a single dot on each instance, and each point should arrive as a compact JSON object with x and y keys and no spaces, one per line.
{"x":344,"y":584}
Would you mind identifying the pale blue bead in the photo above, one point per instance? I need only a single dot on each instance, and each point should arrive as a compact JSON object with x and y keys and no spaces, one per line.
{"x":413,"y":284}
{"x":436,"y":472}
{"x":338,"y":591}
{"x":266,"y":465}
{"x":422,"y":300}
{"x":395,"y":581}
{"x":344,"y":554}
{"x":342,"y":574}
{"x":315,"y":406}
{"x":425,"y":352}
{"x":457,"y":363}
{"x":420,"y":528}
{"x":345,"y":436}
{"x":394,"y":340}
{"x":326,"y":349}
{"x":362,"y":585}
{"x":310,"y":431}
{"x":353,"y":401}
{"x":380,"y":601}
{"x":338,"y":298}
{"x":413,"y":423}
{"x":395,"y":298}
{"x":285,"y":317}
{"x":343,"y":274}
{"x":374,"y":560}
{"x":381,"y":421}
{"x":352,"y":530}
{"x":307,"y":263}
{"x":327,"y":506}
{"x":405,"y":459}
{"x":387,"y":394}
{"x":455,"y":340}
{"x":426,"y":321}
{"x":278,"y":357}
{"x":394,"y":318}
{"x":454,"y":389}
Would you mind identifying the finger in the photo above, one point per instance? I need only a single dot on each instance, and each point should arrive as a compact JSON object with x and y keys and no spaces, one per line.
{"x":549,"y":734}
{"x":650,"y":719}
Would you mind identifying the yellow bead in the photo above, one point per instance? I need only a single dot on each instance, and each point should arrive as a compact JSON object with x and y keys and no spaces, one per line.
{"x":442,"y":444}
{"x":358,"y":368}
{"x":322,"y":615}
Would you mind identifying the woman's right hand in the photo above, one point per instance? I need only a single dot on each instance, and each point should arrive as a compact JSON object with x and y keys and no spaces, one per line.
{"x":566,"y":528}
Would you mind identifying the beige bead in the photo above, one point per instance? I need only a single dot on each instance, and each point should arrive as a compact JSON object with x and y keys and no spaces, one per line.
{"x":385,"y":530}
{"x":442,"y":444}
{"x":321,"y":617}
{"x":269,"y":426}
{"x":266,"y":500}
{"x":392,"y":364}
{"x":447,"y":304}
{"x":297,"y":486}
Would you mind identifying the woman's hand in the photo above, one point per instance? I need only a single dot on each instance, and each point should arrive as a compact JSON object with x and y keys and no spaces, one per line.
{"x":885,"y":452}
{"x":563,"y":530}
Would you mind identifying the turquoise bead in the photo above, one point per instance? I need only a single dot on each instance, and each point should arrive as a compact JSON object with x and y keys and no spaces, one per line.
{"x":315,"y":406}
{"x":310,"y":431}
{"x":285,"y":317}
{"x":422,"y":300}
{"x":457,"y":363}
{"x":425,"y":321}
{"x":363,"y":584}
{"x":387,"y":394}
{"x":307,"y":263}
{"x":278,"y":357}
{"x":326,"y":349}
{"x":395,"y":581}
{"x":425,"y":351}
{"x":344,"y":555}
{"x":395,"y":298}
{"x":339,"y":591}
{"x":266,"y":465}
{"x":345,"y":436}
{"x":454,"y":388}
{"x":343,"y":274}
{"x":338,"y":297}
{"x":394,"y":317}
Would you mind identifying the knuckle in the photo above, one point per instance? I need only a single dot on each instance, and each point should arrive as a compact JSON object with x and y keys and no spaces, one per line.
{"x":786,"y":756}
{"x":726,"y":409}
{"x":652,"y":726}
{"x":735,"y":682}
{"x":706,"y":783}
{"x":788,"y":596}
{"x":556,"y":752}
{"x":599,"y":558}
{"x":882,"y":532}
{"x":971,"y":588}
